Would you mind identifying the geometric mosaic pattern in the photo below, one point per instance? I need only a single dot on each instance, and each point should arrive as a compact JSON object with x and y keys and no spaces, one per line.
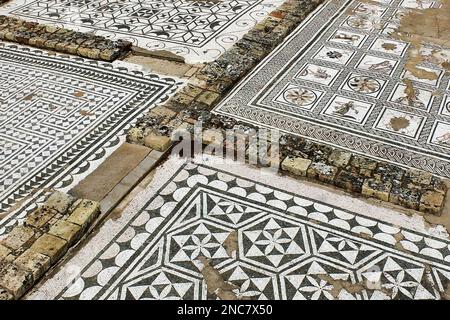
{"x":58,"y":115}
{"x":197,"y":30}
{"x":285,"y":247}
{"x":340,"y":79}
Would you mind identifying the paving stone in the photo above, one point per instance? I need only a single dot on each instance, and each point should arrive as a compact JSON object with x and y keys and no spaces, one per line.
{"x":377,"y":189}
{"x":439,"y":185}
{"x":405,"y":197}
{"x":135,"y":135}
{"x":213,"y":137}
{"x":431,"y":202}
{"x":295,"y":165}
{"x":387,"y":171}
{"x":5,"y":295}
{"x":40,"y":217}
{"x":15,"y":280}
{"x":84,"y":213}
{"x":59,"y":201}
{"x":363,"y":164}
{"x":322,"y":172}
{"x":339,"y":158}
{"x":4,"y":252}
{"x":418,"y":177}
{"x":349,"y":181}
{"x":157,"y":142}
{"x":208,"y":98}
{"x":51,"y":246}
{"x":66,"y":230}
{"x":19,"y":236}
{"x":34,"y":262}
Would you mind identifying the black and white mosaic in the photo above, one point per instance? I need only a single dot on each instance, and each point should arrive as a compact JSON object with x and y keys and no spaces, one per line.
{"x":59,"y":117}
{"x":266,"y":243}
{"x":200,"y":31}
{"x":341,"y":79}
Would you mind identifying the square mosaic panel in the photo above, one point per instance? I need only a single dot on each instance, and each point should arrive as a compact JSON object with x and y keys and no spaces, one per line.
{"x":340,"y":79}
{"x":200,"y":31}
{"x":59,"y":116}
{"x":265,"y":243}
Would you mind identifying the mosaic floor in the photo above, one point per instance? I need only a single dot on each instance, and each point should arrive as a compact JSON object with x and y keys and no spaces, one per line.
{"x":200,"y":31}
{"x":341,"y":79}
{"x":258,"y":241}
{"x":59,"y":117}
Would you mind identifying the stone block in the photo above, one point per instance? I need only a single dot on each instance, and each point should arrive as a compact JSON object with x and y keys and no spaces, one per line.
{"x":418,"y":177}
{"x":339,"y":158}
{"x":85,"y":213}
{"x":66,"y":230}
{"x":4,"y":252}
{"x":432,"y":202}
{"x":40,"y":217}
{"x":34,"y":262}
{"x":15,"y":280}
{"x":322,"y":172}
{"x":408,"y":198}
{"x":349,"y":181}
{"x":59,"y":201}
{"x":157,"y":142}
{"x":51,"y":246}
{"x":296,"y":165}
{"x":208,"y":98}
{"x":20,"y":236}
{"x":5,"y":295}
{"x":377,"y":188}
{"x":213,"y":137}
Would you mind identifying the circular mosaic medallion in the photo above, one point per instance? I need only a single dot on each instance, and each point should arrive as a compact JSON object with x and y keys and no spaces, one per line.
{"x":300,"y":96}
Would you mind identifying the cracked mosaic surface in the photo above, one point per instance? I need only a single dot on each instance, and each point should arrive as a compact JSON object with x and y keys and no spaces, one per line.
{"x":266,"y":243}
{"x":59,"y":117}
{"x":200,"y":31}
{"x":340,"y":79}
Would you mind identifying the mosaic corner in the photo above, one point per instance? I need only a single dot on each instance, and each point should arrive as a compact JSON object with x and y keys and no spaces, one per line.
{"x":29,"y":250}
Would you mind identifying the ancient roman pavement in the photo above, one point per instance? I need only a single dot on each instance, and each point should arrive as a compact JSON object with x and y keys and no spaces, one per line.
{"x":199,"y":31}
{"x":207,"y":229}
{"x":357,"y":208}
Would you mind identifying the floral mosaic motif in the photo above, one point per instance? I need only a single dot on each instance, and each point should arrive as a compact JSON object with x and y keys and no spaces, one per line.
{"x":364,"y":84}
{"x":280,"y":250}
{"x":300,"y":97}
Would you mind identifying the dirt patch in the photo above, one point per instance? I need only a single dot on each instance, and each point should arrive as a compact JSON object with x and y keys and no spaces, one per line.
{"x":389,"y":46}
{"x":231,"y":244}
{"x":86,"y":113}
{"x":399,"y":123}
{"x":410,"y":91}
{"x":352,"y":288}
{"x":424,"y":26}
{"x":215,"y":283}
{"x":79,"y":94}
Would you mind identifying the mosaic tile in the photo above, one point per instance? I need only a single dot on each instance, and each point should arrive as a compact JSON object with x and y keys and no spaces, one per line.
{"x":60,"y":116}
{"x":199,"y":31}
{"x":340,"y":79}
{"x":264,"y":242}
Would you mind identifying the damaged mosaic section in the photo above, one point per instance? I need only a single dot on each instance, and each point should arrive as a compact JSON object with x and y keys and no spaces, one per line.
{"x":200,"y":31}
{"x":352,"y":84}
{"x":209,"y":233}
{"x":60,"y":116}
